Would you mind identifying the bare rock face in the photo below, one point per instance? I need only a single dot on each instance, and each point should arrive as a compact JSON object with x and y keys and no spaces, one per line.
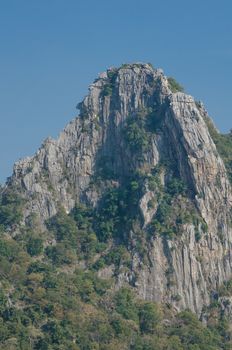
{"x":60,"y":171}
{"x":184,"y":270}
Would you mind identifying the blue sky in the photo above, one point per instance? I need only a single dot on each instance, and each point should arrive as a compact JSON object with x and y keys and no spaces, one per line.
{"x":51,"y":50}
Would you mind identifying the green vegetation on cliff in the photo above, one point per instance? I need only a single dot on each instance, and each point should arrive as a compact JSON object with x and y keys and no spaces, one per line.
{"x":223,"y":143}
{"x":48,"y":301}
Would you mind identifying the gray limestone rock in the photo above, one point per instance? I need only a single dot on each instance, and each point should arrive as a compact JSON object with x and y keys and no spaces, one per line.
{"x":182,"y":271}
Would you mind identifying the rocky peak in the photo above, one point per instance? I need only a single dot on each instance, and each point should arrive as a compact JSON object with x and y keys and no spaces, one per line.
{"x":132,"y":122}
{"x":131,"y":87}
{"x":68,"y":162}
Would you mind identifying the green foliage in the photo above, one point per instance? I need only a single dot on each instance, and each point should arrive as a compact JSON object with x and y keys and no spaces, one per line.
{"x":88,"y":284}
{"x":66,"y":232}
{"x":61,"y":254}
{"x":108,"y":216}
{"x":174,"y":85}
{"x":154,"y":183}
{"x":149,"y":317}
{"x":117,"y":210}
{"x":135,"y":134}
{"x":112,"y":74}
{"x":82,"y":216}
{"x":109,"y":86}
{"x":61,"y":310}
{"x":125,"y":304}
{"x":74,"y":234}
{"x":223,"y":143}
{"x":11,"y":205}
{"x":34,"y":246}
{"x":174,"y":207}
{"x":118,"y":256}
{"x":8,"y":249}
{"x":107,"y":90}
{"x":176,"y":186}
{"x":193,"y":334}
{"x":139,"y":127}
{"x":125,"y":66}
{"x":121,"y":327}
{"x":64,"y":227}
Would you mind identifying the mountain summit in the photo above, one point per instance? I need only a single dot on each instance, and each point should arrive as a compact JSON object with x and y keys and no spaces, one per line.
{"x":140,"y":166}
{"x":133,"y":127}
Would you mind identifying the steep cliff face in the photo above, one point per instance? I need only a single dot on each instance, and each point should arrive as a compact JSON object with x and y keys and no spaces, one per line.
{"x":67,"y":164}
{"x":132,"y":123}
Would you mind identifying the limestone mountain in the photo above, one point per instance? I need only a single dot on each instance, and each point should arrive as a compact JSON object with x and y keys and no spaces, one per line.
{"x":132,"y":122}
{"x":139,"y":172}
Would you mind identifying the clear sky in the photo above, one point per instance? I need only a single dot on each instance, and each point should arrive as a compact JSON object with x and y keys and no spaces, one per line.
{"x":51,"y":50}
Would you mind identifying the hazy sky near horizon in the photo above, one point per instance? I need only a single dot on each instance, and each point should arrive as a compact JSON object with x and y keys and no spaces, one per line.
{"x":51,"y":50}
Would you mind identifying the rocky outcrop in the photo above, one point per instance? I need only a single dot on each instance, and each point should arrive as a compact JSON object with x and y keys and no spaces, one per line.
{"x":184,"y":270}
